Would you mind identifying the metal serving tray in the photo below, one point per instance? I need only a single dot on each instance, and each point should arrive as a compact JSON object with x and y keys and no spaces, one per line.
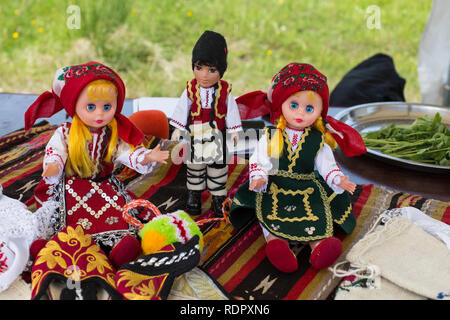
{"x":372,"y":116}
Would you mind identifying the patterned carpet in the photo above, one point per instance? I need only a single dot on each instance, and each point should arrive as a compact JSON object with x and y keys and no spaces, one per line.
{"x":234,"y":258}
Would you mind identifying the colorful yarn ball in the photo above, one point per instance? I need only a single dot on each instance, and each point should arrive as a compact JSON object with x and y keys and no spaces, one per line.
{"x":167,"y":229}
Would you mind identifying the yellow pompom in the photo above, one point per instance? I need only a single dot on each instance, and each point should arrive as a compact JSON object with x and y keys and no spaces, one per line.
{"x":153,"y":241}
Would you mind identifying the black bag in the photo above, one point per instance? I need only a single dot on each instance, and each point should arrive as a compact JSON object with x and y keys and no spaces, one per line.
{"x":373,"y":80}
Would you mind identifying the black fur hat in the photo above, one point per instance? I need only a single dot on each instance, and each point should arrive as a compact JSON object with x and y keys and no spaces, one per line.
{"x":211,"y":48}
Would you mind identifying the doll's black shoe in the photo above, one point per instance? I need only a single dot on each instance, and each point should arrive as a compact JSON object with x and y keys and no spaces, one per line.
{"x":194,"y":202}
{"x":217,"y":203}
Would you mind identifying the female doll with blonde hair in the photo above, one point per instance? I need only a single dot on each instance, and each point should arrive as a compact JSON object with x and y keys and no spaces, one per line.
{"x":81,"y":156}
{"x":296,"y":188}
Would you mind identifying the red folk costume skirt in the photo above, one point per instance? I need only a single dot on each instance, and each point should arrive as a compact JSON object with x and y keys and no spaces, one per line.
{"x":95,"y":204}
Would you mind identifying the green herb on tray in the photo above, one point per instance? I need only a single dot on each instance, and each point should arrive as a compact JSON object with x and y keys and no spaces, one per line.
{"x":426,"y":140}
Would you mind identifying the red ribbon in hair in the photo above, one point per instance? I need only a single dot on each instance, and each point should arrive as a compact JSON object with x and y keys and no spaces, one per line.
{"x":46,"y":105}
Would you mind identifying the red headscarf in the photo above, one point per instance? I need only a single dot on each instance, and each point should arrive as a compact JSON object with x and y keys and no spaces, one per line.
{"x":67,"y":85}
{"x":293,"y":78}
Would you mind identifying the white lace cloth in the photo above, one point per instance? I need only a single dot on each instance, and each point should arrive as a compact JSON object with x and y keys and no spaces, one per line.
{"x":19,"y":227}
{"x":432,"y":226}
{"x":18,"y":222}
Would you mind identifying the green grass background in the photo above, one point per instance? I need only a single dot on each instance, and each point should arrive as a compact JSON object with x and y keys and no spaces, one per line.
{"x":150,"y":42}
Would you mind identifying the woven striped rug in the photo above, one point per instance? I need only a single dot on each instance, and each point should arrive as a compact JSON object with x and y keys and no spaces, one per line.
{"x":237,"y":258}
{"x":234,"y":258}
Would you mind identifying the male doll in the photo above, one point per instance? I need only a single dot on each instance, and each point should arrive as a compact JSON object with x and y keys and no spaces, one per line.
{"x":207,"y":112}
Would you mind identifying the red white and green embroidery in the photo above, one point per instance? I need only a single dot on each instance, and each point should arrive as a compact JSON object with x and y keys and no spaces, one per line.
{"x":254,"y":167}
{"x":82,"y":70}
{"x":303,"y":76}
{"x":351,"y":282}
{"x":78,"y":71}
{"x":75,"y":72}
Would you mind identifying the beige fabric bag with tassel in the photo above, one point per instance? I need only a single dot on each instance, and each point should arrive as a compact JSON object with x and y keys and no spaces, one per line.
{"x":412,"y":264}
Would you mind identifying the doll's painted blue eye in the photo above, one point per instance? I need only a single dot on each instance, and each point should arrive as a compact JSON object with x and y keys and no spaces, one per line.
{"x":197,"y":67}
{"x":107,"y":107}
{"x":212,"y":70}
{"x":90,"y":107}
{"x":294,"y":105}
{"x":309,"y":108}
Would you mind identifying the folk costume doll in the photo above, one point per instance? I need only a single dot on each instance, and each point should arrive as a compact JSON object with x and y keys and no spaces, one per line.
{"x":295,"y":186}
{"x":80,"y":156}
{"x":206,"y":112}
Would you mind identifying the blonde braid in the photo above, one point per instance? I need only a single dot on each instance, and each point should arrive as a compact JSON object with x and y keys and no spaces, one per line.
{"x":78,"y":160}
{"x":319,"y":125}
{"x":275,"y":147}
{"x":113,"y":140}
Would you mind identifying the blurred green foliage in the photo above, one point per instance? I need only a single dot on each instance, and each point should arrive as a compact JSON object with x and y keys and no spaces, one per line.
{"x":150,"y":42}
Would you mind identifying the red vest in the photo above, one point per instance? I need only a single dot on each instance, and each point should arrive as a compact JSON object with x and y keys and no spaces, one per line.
{"x":198,"y":114}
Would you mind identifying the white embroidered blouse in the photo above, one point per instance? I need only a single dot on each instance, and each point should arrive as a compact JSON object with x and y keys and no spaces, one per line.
{"x":57,"y":151}
{"x":181,"y":113}
{"x":324,"y":162}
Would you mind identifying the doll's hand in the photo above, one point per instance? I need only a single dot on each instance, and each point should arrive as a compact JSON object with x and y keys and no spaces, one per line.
{"x":256,"y":184}
{"x":156,"y":155}
{"x":51,"y":169}
{"x":235,"y":138}
{"x":176,"y":135}
{"x":347,"y":184}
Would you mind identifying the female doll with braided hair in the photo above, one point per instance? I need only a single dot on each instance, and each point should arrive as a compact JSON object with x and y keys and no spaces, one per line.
{"x":81,"y":157}
{"x":296,"y":188}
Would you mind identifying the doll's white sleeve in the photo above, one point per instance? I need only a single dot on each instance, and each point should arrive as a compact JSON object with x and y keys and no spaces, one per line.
{"x":56,"y":151}
{"x":132,"y":158}
{"x":328,"y":168}
{"x":181,"y":112}
{"x":259,"y":163}
{"x":232,"y":119}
